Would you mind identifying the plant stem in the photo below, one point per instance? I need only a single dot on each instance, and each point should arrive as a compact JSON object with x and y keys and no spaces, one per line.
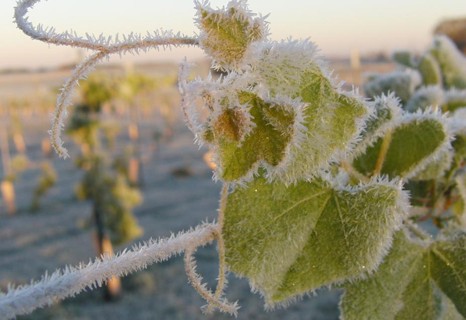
{"x":71,"y":281}
{"x":353,"y":172}
{"x":387,"y":139}
{"x":416,"y":231}
{"x":221,"y":246}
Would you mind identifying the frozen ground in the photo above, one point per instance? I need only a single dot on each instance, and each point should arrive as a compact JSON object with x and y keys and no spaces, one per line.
{"x":31,"y":244}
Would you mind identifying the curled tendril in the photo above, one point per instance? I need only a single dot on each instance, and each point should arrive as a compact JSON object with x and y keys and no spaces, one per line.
{"x":104,"y":47}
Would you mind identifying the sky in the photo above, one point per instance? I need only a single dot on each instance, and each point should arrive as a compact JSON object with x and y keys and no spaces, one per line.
{"x":337,"y":27}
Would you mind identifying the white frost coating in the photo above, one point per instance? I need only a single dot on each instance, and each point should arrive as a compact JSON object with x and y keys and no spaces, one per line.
{"x":457,"y":122}
{"x":105,"y":46}
{"x":425,"y":97}
{"x":445,"y":146}
{"x":280,"y":65}
{"x":72,"y":280}
{"x":196,"y":281}
{"x":402,"y":118}
{"x":402,"y":83}
{"x":391,"y":104}
{"x":212,"y":97}
{"x":242,"y":13}
{"x":455,"y":97}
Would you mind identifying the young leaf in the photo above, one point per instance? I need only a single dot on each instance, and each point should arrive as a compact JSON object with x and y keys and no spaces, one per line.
{"x":226,"y":34}
{"x":289,"y":240}
{"x":332,"y":122}
{"x":282,"y":68}
{"x":332,"y":119}
{"x":404,"y":287}
{"x":408,"y":147}
{"x":265,"y":143}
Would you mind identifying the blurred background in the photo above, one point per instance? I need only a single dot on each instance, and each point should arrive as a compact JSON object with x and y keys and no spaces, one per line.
{"x":134,"y":171}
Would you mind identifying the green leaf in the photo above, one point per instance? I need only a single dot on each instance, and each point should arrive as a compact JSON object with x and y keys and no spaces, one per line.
{"x":448,"y":269}
{"x":304,"y":124}
{"x":459,"y":209}
{"x":437,"y":168}
{"x":295,"y":239}
{"x":404,"y":287}
{"x":425,"y":97}
{"x":242,"y":147}
{"x":404,"y":58}
{"x":386,"y":110}
{"x":332,"y":120}
{"x":405,"y":148}
{"x":430,"y":70}
{"x":454,"y":100}
{"x":402,"y":83}
{"x":449,"y":311}
{"x":226,"y":34}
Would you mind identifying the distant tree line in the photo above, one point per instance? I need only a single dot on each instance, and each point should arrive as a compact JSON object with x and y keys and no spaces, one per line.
{"x":455,"y":29}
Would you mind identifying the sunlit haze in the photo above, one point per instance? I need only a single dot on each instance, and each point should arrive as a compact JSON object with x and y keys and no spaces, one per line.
{"x":338,"y":27}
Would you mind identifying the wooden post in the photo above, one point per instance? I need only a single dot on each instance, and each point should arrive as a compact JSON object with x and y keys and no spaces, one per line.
{"x":46,"y":147}
{"x":20,"y":145}
{"x":133,"y":171}
{"x":8,"y":195}
{"x":7,"y":188}
{"x":355,"y":60}
{"x":104,"y":247}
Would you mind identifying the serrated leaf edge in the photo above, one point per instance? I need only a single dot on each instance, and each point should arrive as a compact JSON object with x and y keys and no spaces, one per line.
{"x":406,"y":118}
{"x":394,"y":105}
{"x":445,"y":146}
{"x":244,"y":14}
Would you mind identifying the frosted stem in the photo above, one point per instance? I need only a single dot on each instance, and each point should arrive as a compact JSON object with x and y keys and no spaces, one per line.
{"x":72,"y":280}
{"x":196,"y":282}
{"x":105,"y":46}
{"x":221,"y":283}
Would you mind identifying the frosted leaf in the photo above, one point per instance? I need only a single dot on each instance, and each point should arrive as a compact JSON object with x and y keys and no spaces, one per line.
{"x":227,"y":33}
{"x":430,"y":70}
{"x":454,"y":99}
{"x":404,"y":58}
{"x":448,"y":261}
{"x":281,"y":67}
{"x":310,"y":121}
{"x":436,"y":168}
{"x":332,"y":119}
{"x":402,"y":83}
{"x":414,"y":141}
{"x":289,"y":240}
{"x":242,"y":147}
{"x":385,"y":110}
{"x":424,"y":97}
{"x":407,"y":285}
